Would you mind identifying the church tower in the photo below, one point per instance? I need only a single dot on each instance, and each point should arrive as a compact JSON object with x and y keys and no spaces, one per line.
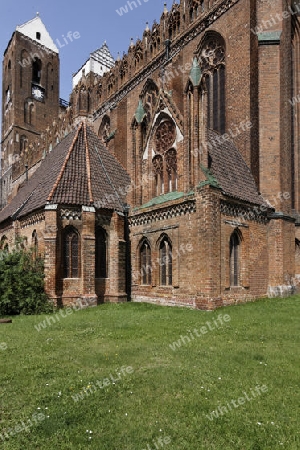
{"x":30,"y":101}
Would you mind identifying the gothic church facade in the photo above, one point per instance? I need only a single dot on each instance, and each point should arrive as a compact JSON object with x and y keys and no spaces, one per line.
{"x":188,"y":150}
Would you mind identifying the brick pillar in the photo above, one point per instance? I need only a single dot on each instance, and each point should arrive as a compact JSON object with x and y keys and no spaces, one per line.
{"x":88,"y":256}
{"x":281,"y":240}
{"x":274,"y":108}
{"x":196,"y":144}
{"x":274,"y":64}
{"x":209,"y":251}
{"x":52,"y":261}
{"x":117,"y":259}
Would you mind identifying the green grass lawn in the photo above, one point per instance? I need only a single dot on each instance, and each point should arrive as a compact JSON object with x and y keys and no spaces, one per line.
{"x":167,"y":398}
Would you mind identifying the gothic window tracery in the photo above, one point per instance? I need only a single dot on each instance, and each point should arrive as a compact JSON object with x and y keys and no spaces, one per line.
{"x":165,"y":136}
{"x":212,"y":64}
{"x":150,"y":95}
{"x":165,"y":262}
{"x":145,"y":263}
{"x":165,"y":161}
{"x":171,"y":168}
{"x":71,"y":253}
{"x":158,"y":169}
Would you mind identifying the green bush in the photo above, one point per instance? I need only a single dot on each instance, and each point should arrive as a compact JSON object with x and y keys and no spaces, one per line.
{"x":22,"y":282}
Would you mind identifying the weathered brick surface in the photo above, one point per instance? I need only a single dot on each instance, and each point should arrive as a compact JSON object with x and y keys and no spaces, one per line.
{"x":200,"y":221}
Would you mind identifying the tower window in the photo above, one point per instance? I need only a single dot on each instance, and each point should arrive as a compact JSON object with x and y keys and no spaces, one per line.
{"x":38,"y":35}
{"x":36,"y":71}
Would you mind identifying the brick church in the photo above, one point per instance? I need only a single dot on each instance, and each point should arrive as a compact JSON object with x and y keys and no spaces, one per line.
{"x":172,"y":174}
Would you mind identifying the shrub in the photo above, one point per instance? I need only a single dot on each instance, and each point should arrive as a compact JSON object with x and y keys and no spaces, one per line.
{"x":22,"y":282}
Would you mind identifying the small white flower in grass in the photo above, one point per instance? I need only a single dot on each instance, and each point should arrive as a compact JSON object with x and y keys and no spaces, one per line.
{"x":272,"y":423}
{"x":160,"y":429}
{"x":46,"y":407}
{"x":47,"y":384}
{"x":90,"y":437}
{"x":39,"y":408}
{"x":219,"y":378}
{"x":126,"y":414}
{"x":87,"y":431}
{"x":258,"y":423}
{"x":91,"y":432}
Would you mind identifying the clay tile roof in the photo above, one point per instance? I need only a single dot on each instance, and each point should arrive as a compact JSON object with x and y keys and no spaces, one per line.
{"x":79,"y":171}
{"x":231,"y":171}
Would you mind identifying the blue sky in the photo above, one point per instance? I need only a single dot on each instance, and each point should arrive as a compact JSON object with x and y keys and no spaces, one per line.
{"x":96,"y":21}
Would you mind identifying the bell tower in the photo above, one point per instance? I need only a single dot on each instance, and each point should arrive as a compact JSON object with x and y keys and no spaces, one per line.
{"x":30,"y":101}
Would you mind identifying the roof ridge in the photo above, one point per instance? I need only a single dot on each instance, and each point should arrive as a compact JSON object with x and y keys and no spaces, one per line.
{"x":88,"y":164}
{"x":64,"y":164}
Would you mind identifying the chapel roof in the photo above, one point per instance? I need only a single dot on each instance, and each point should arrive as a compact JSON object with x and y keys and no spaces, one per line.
{"x":231,"y":171}
{"x":80,"y":170}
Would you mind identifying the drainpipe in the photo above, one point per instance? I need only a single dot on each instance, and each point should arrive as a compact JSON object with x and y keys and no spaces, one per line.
{"x":126,"y":209}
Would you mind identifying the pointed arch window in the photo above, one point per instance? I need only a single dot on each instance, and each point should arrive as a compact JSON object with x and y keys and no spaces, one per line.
{"x":158,"y":168}
{"x":29,"y":112}
{"x":23,"y":143}
{"x":145,"y":263}
{"x":101,"y":254}
{"x":35,"y":243}
{"x":71,"y":253}
{"x":37,"y":71}
{"x":212,"y":63}
{"x":4,"y":243}
{"x":235,"y":259}
{"x":165,"y":262}
{"x":171,"y":167}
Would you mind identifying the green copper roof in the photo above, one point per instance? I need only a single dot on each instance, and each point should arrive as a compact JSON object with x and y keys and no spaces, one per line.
{"x":210,"y":179}
{"x":272,"y":37}
{"x":165,"y":198}
{"x":195,"y":73}
{"x":140,"y":112}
